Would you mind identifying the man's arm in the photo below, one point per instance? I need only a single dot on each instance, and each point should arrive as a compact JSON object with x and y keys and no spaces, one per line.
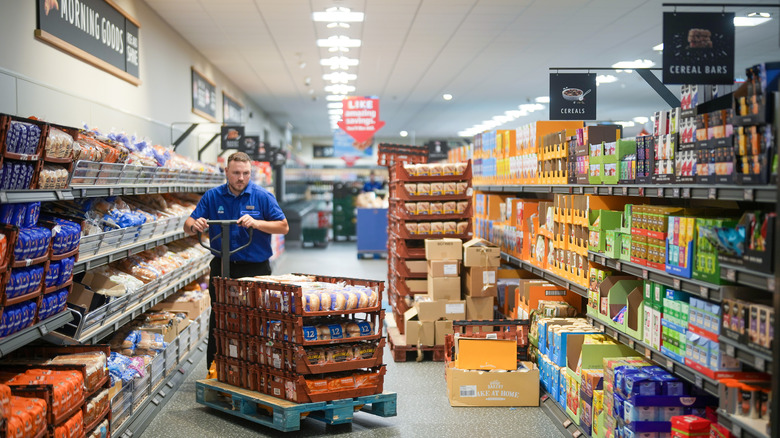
{"x":270,"y":227}
{"x":192,"y":226}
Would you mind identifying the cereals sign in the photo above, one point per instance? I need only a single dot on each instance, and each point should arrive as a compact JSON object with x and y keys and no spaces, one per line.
{"x":360,"y":118}
{"x":95,"y":31}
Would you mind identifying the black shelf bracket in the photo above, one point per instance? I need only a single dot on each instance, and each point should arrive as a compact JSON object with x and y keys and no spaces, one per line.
{"x":183,"y":136}
{"x":205,"y":146}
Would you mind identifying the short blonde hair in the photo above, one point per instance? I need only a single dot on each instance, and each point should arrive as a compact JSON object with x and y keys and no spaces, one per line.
{"x":241,"y":157}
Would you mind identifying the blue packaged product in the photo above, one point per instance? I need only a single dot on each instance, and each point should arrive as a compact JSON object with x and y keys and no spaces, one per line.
{"x":640,"y":384}
{"x":44,"y":309}
{"x":33,"y":213}
{"x":13,"y":214}
{"x":66,"y":270}
{"x":309,"y":333}
{"x":53,"y":275}
{"x":37,"y":242}
{"x":16,"y":319}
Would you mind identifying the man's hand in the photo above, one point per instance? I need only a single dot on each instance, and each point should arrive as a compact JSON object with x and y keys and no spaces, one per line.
{"x":200,"y":225}
{"x":247,"y":221}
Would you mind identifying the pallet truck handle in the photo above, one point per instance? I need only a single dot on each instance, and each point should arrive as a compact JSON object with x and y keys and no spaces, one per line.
{"x":225,"y":230}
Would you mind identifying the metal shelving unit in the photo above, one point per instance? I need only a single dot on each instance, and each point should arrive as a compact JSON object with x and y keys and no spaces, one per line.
{"x":756,"y":359}
{"x":746,"y":277}
{"x":765,"y":194}
{"x":12,"y":196}
{"x":547,"y":275}
{"x":559,"y":417}
{"x":696,"y":287}
{"x":683,"y":371}
{"x":92,"y":262}
{"x":742,"y":427}
{"x":23,"y":337}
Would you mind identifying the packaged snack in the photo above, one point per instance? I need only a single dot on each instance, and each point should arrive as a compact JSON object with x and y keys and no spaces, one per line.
{"x":411,"y":227}
{"x":422,"y":170}
{"x":448,"y":169}
{"x":437,"y":228}
{"x":437,"y":189}
{"x":461,"y":187}
{"x":58,"y":144}
{"x":311,"y":302}
{"x":424,"y":189}
{"x":448,"y":207}
{"x":462,"y":227}
{"x":460,"y":168}
{"x":411,"y":189}
{"x":449,"y":188}
{"x":423,"y":228}
{"x":461,"y":206}
{"x":411,"y":208}
{"x":423,"y":208}
{"x":364,"y":351}
{"x":449,"y":227}
{"x":435,"y":169}
{"x":22,"y":138}
{"x":435,"y":208}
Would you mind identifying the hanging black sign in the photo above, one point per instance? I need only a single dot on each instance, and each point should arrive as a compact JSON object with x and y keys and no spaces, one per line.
{"x":262,"y":153}
{"x":232,"y":110}
{"x":232,"y":137}
{"x":437,"y":150}
{"x":94,"y":31}
{"x":321,"y":151}
{"x":278,"y":156}
{"x":698,"y":48}
{"x":204,"y":97}
{"x":572,"y":96}
{"x":249,"y":144}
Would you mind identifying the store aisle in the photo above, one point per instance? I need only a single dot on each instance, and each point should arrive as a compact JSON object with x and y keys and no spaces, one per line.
{"x":423,"y":408}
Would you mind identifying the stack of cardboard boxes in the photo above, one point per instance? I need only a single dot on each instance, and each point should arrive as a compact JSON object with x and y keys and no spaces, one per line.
{"x":430,"y":319}
{"x":481,"y":260}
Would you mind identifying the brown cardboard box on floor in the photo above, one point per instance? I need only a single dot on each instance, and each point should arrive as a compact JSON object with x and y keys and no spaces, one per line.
{"x":444,"y":288}
{"x":480,"y":252}
{"x":444,"y":268}
{"x":442,"y":329}
{"x":480,"y":282}
{"x":443,"y":249}
{"x":418,"y":332}
{"x":485,"y":388}
{"x":479,"y":308}
{"x":455,"y":310}
{"x":430,"y":310}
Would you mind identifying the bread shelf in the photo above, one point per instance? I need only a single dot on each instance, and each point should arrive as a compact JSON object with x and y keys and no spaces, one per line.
{"x":762,"y":194}
{"x":20,"y":339}
{"x":683,"y":371}
{"x":15,"y":196}
{"x":88,"y":263}
{"x":746,"y":277}
{"x":699,"y":288}
{"x":756,"y":359}
{"x":559,"y":418}
{"x":742,"y":427}
{"x":547,"y":275}
{"x":96,"y":325}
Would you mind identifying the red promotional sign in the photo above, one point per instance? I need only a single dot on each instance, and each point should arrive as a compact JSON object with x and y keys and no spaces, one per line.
{"x":360,"y":118}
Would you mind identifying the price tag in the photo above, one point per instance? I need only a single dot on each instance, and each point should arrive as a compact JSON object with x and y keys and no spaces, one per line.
{"x":731,"y":275}
{"x":661,"y":192}
{"x":676,"y":283}
{"x":625,"y":191}
{"x":686,"y":192}
{"x":712,"y":193}
{"x":631,"y":343}
{"x":736,"y":430}
{"x":770,"y":284}
{"x":698,"y":381}
{"x":669,"y":363}
{"x":576,"y":434}
{"x":760,"y":364}
{"x":567,"y":423}
{"x":641,"y":191}
{"x":571,"y":190}
{"x":603,"y":260}
{"x":748,"y":195}
{"x":618,"y":266}
{"x":730,"y":350}
{"x":676,"y":192}
{"x":44,"y":330}
{"x":703,"y":290}
{"x":581,"y":190}
{"x":644,"y":274}
{"x":648,"y":353}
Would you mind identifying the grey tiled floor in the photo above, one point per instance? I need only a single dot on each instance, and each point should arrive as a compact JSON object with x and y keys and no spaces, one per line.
{"x":423,"y":408}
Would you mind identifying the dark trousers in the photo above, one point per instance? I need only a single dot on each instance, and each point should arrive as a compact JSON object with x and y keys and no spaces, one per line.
{"x":237,"y":270}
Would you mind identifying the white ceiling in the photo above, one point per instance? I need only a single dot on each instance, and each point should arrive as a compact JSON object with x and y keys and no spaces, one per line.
{"x":491,"y":55}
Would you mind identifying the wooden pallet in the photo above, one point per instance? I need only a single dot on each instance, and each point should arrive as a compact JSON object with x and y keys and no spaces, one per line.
{"x":402,"y":352}
{"x":284,"y":415}
{"x":372,"y":255}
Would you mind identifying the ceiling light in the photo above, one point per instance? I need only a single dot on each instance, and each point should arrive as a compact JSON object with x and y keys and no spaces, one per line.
{"x":335,"y":97}
{"x":502,"y":119}
{"x":625,"y":123}
{"x":750,"y":21}
{"x":341,"y":25}
{"x":542,"y":99}
{"x":338,"y":41}
{"x":606,"y":79}
{"x":514,"y":114}
{"x":659,"y":47}
{"x":759,"y":14}
{"x":628,"y":65}
{"x":339,"y":77}
{"x":339,"y":15}
{"x":339,"y":62}
{"x":339,"y":89}
{"x":531,"y":107}
{"x":465,"y":134}
{"x":403,"y":133}
{"x":336,"y":105}
{"x":335,"y":112}
{"x":446,"y":96}
{"x":302,"y":64}
{"x":311,"y":91}
{"x":641,"y":119}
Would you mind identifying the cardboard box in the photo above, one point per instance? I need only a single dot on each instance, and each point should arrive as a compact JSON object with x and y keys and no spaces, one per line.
{"x":443,"y":249}
{"x":480,"y":282}
{"x":417,"y":286}
{"x":193,"y":309}
{"x":430,"y":310}
{"x":486,"y":354}
{"x":418,"y":332}
{"x":94,"y":291}
{"x":444,"y":288}
{"x":531,"y":291}
{"x":169,"y":332}
{"x":480,"y":252}
{"x":441,"y":329}
{"x":455,"y":310}
{"x":479,"y":308}
{"x":483,"y":388}
{"x":417,"y":265}
{"x":444,"y":268}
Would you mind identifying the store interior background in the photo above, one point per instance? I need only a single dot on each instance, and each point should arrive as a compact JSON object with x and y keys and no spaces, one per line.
{"x":491,"y":56}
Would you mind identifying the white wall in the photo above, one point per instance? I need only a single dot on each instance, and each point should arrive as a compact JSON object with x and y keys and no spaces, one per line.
{"x":39,"y":80}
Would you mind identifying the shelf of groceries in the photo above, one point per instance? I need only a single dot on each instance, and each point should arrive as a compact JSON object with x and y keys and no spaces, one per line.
{"x":547,"y":275}
{"x":20,"y":339}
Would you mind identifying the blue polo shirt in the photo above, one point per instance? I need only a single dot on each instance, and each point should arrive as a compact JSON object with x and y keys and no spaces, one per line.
{"x":220,"y":204}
